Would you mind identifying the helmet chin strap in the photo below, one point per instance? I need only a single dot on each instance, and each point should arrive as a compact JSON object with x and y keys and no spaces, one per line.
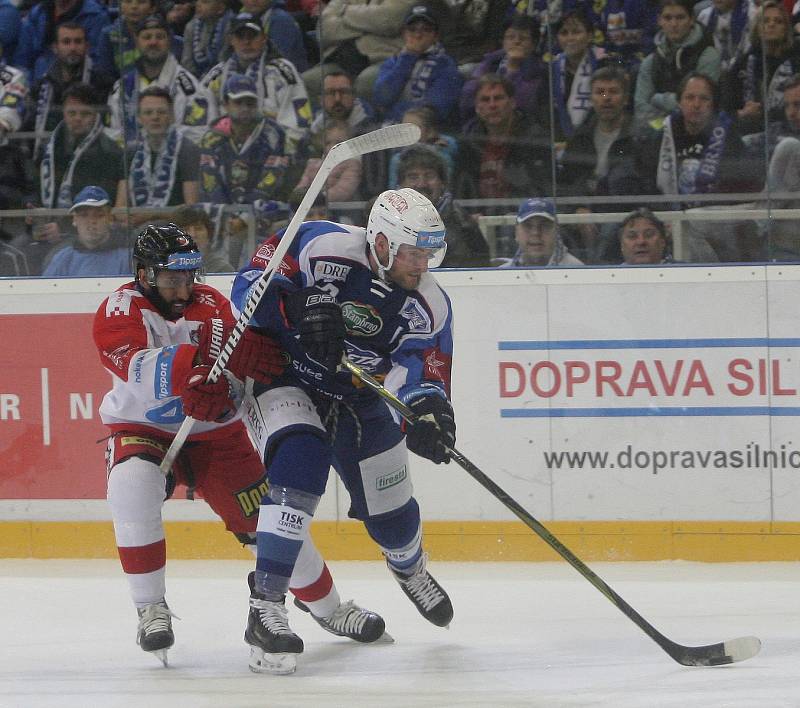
{"x":382,"y":269}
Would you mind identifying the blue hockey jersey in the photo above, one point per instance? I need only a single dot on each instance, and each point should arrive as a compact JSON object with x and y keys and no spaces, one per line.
{"x":403,"y":337}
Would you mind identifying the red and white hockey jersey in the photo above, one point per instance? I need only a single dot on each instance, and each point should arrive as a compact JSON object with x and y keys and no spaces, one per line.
{"x":149,"y":358}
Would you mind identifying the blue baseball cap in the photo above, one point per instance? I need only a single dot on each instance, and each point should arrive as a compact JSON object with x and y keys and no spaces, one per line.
{"x":239,"y":86}
{"x":244,"y":20}
{"x":536,"y":207}
{"x":90,"y":196}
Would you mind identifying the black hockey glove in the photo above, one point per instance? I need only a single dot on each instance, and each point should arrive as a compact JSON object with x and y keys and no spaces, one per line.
{"x":318,"y":318}
{"x":434,"y":428}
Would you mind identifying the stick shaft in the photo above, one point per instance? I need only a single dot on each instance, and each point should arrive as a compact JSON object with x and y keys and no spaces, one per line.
{"x":689,"y":656}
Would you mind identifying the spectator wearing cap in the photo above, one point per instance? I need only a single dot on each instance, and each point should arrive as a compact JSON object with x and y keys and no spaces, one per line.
{"x":192,"y":102}
{"x":280,"y":91}
{"x":117,"y":52}
{"x":71,"y":65}
{"x":280,"y":28}
{"x":421,"y":74}
{"x":163,"y":164}
{"x":423,"y":169}
{"x":205,"y":42}
{"x":357,"y":36}
{"x":643,"y":239}
{"x":538,"y":240}
{"x":519,"y":61}
{"x":244,"y":156}
{"x":34,"y":46}
{"x":97,"y":249}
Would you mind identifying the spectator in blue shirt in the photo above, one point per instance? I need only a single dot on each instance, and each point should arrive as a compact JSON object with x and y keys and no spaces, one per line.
{"x":421,"y":74}
{"x":97,"y":249}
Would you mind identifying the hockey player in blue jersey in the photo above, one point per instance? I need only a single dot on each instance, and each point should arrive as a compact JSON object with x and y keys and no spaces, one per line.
{"x":365,"y":293}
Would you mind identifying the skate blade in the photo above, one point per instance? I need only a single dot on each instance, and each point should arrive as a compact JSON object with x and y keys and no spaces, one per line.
{"x":279,"y":664}
{"x":161,"y":655}
{"x":385,"y":638}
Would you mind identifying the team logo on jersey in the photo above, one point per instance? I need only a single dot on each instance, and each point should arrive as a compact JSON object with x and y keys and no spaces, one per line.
{"x":325,"y":270}
{"x":361,"y":319}
{"x":418,"y":319}
{"x":249,"y":499}
{"x":264,"y":255}
{"x":436,"y":366}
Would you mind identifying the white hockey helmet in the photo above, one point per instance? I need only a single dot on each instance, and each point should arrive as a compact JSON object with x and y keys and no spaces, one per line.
{"x":404,"y":216}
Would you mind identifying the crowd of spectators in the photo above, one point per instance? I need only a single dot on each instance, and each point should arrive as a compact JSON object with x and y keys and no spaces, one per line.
{"x":224,"y":109}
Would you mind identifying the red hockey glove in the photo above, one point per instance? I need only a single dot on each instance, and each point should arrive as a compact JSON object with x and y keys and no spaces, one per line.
{"x":207,"y":401}
{"x":256,"y":355}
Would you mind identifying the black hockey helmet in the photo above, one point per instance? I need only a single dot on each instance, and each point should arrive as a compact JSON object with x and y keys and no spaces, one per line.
{"x":165,"y":248}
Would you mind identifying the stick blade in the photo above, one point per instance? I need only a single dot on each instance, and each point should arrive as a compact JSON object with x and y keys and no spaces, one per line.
{"x":392,"y":136}
{"x":729,"y":652}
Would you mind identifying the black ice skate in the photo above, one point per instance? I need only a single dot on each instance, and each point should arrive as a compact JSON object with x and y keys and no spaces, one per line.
{"x":350,"y":620}
{"x":426,"y":594}
{"x":273,"y":645}
{"x":154,"y":634}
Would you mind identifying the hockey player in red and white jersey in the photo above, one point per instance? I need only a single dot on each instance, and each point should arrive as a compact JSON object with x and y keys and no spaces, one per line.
{"x":157,"y":336}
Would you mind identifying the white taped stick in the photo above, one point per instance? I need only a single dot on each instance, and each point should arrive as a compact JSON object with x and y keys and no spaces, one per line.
{"x":392,"y":136}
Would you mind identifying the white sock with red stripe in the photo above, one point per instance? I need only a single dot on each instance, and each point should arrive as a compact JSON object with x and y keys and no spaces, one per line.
{"x":136,"y":495}
{"x":312,"y":583}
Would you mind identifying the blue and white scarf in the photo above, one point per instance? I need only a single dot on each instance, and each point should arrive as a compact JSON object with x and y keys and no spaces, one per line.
{"x":417,"y":85}
{"x":152,"y":186}
{"x":753,"y":80}
{"x":60,"y":197}
{"x":699,"y":176}
{"x":45,"y":99}
{"x":573,"y":110}
{"x":205,"y":49}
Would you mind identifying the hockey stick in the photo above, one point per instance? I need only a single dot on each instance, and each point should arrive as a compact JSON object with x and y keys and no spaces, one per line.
{"x":708,"y":655}
{"x":392,"y":136}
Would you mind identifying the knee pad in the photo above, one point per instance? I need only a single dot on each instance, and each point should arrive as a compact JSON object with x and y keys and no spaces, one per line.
{"x":136,"y":495}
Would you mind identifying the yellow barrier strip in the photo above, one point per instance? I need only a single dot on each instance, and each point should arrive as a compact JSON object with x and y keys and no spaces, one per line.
{"x":727,"y":541}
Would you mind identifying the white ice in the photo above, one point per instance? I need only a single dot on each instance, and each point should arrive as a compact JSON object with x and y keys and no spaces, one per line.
{"x":524,"y":634}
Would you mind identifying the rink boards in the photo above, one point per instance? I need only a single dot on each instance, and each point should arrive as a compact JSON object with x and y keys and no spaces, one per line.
{"x":640,"y":414}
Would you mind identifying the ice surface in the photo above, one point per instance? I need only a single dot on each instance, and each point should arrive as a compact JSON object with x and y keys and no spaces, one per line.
{"x":524,"y":634}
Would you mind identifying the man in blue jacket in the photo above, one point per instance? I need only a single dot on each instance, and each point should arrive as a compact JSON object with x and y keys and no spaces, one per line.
{"x":421,"y":74}
{"x":97,"y":250}
{"x":34,"y":53}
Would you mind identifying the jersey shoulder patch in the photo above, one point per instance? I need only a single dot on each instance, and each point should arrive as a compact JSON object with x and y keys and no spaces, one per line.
{"x":121,"y":302}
